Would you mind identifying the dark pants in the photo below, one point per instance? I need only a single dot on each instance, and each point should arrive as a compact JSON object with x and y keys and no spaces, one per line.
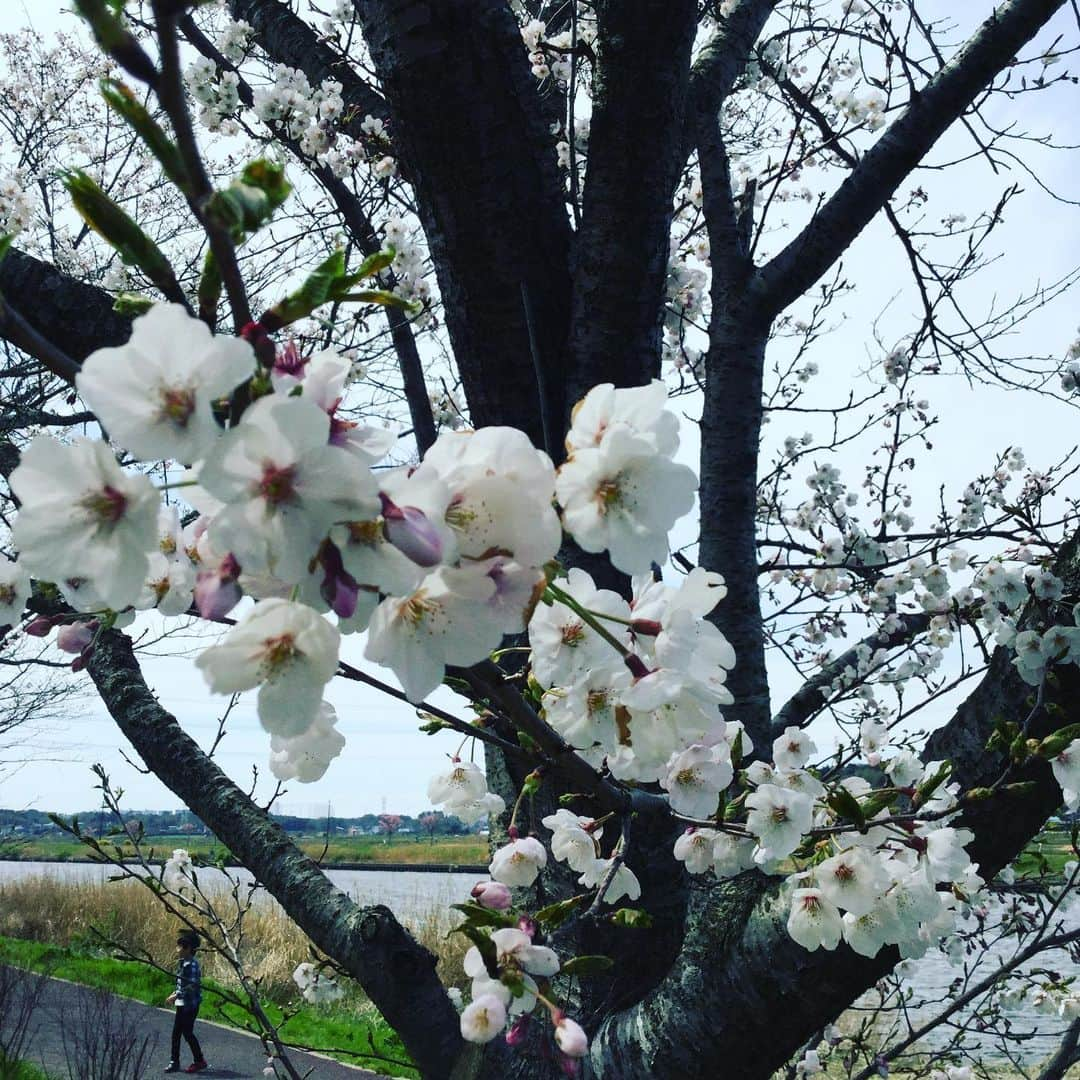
{"x":184,"y":1024}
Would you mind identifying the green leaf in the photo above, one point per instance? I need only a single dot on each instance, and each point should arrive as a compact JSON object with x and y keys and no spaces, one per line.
{"x":926,"y":789}
{"x":556,"y":914}
{"x":129,"y":303}
{"x":330,"y":282}
{"x":250,"y":202}
{"x":1061,"y":740}
{"x":379,"y":296}
{"x":634,"y":918}
{"x":484,"y":944}
{"x":478,"y":915}
{"x":6,"y":240}
{"x":586,"y":965}
{"x":121,"y":99}
{"x":209,"y":292}
{"x":129,"y":241}
{"x":844,"y":804}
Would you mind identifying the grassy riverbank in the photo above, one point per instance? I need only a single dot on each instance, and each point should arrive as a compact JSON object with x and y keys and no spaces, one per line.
{"x":351,"y":1031}
{"x":411,"y":851}
{"x":80,"y":931}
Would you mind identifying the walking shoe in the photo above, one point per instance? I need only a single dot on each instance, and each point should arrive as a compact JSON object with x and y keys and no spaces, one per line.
{"x":173,"y":1066}
{"x":197,"y":1066}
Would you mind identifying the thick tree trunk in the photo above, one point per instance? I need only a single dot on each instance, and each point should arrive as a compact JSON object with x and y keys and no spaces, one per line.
{"x":639,"y":104}
{"x":730,"y":431}
{"x":470,"y":132}
{"x":74,"y":317}
{"x":743,"y":997}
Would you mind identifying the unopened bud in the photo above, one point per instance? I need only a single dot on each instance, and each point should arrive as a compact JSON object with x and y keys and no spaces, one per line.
{"x":39,"y":627}
{"x":492,"y":894}
{"x":410,"y":531}
{"x":217,"y":591}
{"x":74,"y":637}
{"x":519,"y":1030}
{"x":645,"y":627}
{"x":528,"y":926}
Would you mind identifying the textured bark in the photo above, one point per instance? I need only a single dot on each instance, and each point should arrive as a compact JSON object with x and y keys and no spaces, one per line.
{"x":397,"y":973}
{"x":469,"y":130}
{"x":75,"y":317}
{"x":902,"y":146}
{"x":730,"y":430}
{"x":639,"y":104}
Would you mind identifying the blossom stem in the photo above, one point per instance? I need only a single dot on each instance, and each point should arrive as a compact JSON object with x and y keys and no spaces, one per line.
{"x":589,"y":618}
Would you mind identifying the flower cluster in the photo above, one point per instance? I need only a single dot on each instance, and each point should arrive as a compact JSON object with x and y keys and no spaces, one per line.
{"x":16,"y":204}
{"x":315,"y":985}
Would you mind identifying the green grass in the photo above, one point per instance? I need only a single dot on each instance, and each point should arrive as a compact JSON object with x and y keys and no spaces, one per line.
{"x":348,"y":849}
{"x":1046,"y":854}
{"x":20,"y":1070}
{"x":333,"y":1029}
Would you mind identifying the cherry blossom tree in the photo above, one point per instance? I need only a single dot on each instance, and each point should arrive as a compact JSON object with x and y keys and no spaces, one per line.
{"x":531,"y":235}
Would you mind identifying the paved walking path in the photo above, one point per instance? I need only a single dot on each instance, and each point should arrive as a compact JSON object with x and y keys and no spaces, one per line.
{"x":70,"y":1016}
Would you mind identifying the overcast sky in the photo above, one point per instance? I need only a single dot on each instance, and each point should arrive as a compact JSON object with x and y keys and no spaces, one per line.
{"x":386,"y":762}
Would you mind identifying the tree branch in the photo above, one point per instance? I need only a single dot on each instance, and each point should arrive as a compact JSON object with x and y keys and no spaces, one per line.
{"x":71,"y":317}
{"x":639,"y":105}
{"x":897,"y":152}
{"x":808,"y":700}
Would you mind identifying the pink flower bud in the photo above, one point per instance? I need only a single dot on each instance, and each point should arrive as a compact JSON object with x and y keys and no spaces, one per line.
{"x":217,"y":591}
{"x":410,"y":531}
{"x":645,"y":627}
{"x":74,"y":637}
{"x":255,"y":333}
{"x":519,"y":1030}
{"x":339,"y":588}
{"x":571,"y":1037}
{"x":492,"y":894}
{"x":39,"y":627}
{"x":528,"y":926}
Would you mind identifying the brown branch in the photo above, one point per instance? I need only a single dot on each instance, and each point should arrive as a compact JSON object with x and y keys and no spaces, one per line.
{"x":897,"y":152}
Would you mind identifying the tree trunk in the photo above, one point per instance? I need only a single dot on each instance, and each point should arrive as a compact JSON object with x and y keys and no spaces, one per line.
{"x":469,"y":130}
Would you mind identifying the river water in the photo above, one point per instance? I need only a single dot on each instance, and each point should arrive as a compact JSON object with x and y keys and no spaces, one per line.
{"x":413,"y":895}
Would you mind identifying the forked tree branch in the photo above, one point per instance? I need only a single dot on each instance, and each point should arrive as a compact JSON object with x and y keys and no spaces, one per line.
{"x":870,"y":185}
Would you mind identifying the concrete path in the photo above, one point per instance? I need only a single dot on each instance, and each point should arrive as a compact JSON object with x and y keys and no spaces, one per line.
{"x":109,"y":1035}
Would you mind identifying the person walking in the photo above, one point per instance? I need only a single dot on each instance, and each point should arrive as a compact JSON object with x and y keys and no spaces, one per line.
{"x":186,"y":997}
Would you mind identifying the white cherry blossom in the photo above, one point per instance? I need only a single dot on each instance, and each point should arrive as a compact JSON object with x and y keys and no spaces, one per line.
{"x":483,"y":1019}
{"x":519,"y":862}
{"x":1066,"y":770}
{"x":437,"y":624}
{"x":288,"y":651}
{"x":814,"y":921}
{"x":84,"y":517}
{"x":14,"y":591}
{"x":155,"y":395}
{"x":307,"y":756}
{"x":778,"y":818}
{"x":283,"y":487}
{"x":624,"y":497}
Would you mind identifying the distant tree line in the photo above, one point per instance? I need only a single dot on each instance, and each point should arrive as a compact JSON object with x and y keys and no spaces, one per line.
{"x":185,"y":823}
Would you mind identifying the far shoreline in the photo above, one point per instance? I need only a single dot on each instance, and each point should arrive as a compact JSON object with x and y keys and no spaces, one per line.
{"x":395,"y":867}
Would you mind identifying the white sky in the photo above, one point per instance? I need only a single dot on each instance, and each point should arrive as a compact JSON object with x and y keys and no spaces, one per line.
{"x":385,"y":758}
